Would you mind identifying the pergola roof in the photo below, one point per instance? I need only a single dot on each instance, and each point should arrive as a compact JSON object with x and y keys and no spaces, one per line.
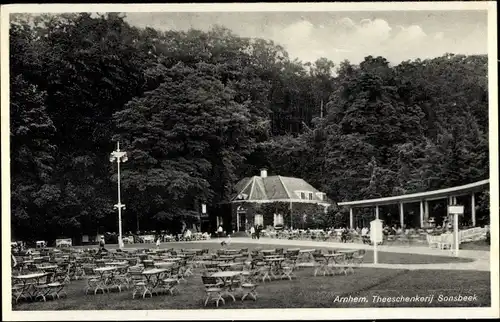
{"x":414,"y":197}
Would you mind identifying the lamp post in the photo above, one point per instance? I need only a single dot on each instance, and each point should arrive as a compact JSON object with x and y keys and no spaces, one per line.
{"x":119,"y":156}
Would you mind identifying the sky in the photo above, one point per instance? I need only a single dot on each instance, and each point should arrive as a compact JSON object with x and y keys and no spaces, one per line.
{"x":395,"y":35}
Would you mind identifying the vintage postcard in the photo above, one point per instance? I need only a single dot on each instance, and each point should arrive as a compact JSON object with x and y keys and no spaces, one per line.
{"x":249,"y":161}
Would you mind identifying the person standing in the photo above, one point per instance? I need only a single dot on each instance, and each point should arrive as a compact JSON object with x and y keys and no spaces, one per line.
{"x":220,"y":231}
{"x":257,"y":232}
{"x":252,"y":232}
{"x":101,"y":245}
{"x":158,"y":242}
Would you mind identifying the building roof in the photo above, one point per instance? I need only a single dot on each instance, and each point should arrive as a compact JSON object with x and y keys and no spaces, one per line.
{"x":267,"y":189}
{"x":420,"y":196}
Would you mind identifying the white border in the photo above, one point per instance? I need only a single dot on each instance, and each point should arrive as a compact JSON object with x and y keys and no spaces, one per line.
{"x":268,"y":314}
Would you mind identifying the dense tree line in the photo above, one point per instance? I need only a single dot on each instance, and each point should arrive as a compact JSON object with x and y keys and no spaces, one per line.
{"x":196,"y":111}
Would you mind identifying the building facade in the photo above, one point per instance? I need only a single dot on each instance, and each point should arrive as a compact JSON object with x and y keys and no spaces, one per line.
{"x":273,"y":201}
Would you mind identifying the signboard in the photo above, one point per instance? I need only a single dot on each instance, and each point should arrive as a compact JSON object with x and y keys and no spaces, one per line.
{"x":376,"y":232}
{"x":458,"y":210}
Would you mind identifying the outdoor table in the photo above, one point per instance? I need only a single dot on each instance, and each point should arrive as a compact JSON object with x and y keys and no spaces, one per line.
{"x":328,"y":258}
{"x":29,"y":283}
{"x":226,"y":258}
{"x":122,"y":263}
{"x":164,"y":264}
{"x":49,"y":269}
{"x":227,"y":278}
{"x":275,"y":265}
{"x":306,"y":254}
{"x":27,"y":263}
{"x":273,"y":256}
{"x":106,"y":276}
{"x":232,"y":251}
{"x":153,"y":279}
{"x":349,"y":254}
{"x":225,"y":266}
{"x":268,"y":251}
{"x":172,"y":259}
{"x":347,"y":251}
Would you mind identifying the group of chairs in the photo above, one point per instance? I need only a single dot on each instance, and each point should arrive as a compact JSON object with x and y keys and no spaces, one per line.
{"x":44,"y":274}
{"x":224,"y":273}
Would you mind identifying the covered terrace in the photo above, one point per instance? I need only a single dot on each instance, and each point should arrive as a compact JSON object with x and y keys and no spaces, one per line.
{"x":450,"y":194}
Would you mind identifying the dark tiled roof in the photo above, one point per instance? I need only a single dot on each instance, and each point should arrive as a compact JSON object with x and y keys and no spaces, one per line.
{"x":273,"y":188}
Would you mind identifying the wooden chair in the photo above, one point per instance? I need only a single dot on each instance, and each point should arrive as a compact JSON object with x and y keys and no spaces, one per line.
{"x":358,"y":257}
{"x":57,"y":285}
{"x":249,"y":286}
{"x":213,"y":290}
{"x":137,"y":281}
{"x":91,"y":277}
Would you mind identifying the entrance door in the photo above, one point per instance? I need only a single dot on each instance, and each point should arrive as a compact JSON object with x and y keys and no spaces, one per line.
{"x":243,"y":220}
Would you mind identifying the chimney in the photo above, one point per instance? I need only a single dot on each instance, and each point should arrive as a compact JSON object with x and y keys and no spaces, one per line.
{"x":263,"y":173}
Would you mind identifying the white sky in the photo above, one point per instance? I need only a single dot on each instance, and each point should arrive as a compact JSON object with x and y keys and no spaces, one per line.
{"x":396,"y":35}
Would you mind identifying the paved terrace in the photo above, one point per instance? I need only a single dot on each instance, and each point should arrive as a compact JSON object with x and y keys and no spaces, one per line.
{"x":481,"y":258}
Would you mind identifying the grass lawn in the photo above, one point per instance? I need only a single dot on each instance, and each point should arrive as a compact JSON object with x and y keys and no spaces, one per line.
{"x":306,"y":291}
{"x":476,"y":245}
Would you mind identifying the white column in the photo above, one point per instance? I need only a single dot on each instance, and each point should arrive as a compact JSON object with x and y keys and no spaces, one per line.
{"x":238,"y":221}
{"x":401,"y":214}
{"x":421,"y":214}
{"x":351,"y":218}
{"x":426,"y":210}
{"x":473,"y":209}
{"x":376,"y":212}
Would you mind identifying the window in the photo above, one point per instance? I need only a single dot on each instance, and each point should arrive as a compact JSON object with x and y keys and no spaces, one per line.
{"x":310,"y":196}
{"x":278,"y":220}
{"x":302,"y":195}
{"x":259,"y":220}
{"x":320,"y":195}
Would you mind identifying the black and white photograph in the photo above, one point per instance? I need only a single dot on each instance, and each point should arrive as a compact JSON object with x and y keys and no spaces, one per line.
{"x":250,"y":161}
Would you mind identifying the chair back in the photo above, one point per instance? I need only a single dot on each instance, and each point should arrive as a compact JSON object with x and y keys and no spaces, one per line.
{"x":209,"y":281}
{"x":88,"y":269}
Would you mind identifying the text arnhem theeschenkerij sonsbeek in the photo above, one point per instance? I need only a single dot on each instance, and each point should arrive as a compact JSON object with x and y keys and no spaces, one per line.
{"x":405,"y":299}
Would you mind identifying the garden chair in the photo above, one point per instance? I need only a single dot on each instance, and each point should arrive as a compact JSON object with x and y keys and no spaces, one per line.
{"x":358,"y":257}
{"x":170,"y":283}
{"x":175,"y":273}
{"x":211,"y":268}
{"x":446,"y":241}
{"x":57,"y":286}
{"x":249,"y":285}
{"x":42,"y":288}
{"x":263,"y":271}
{"x":91,"y":277}
{"x":433,"y":241}
{"x":288,"y":268}
{"x":137,"y":281}
{"x":213,"y":289}
{"x":320,"y":262}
